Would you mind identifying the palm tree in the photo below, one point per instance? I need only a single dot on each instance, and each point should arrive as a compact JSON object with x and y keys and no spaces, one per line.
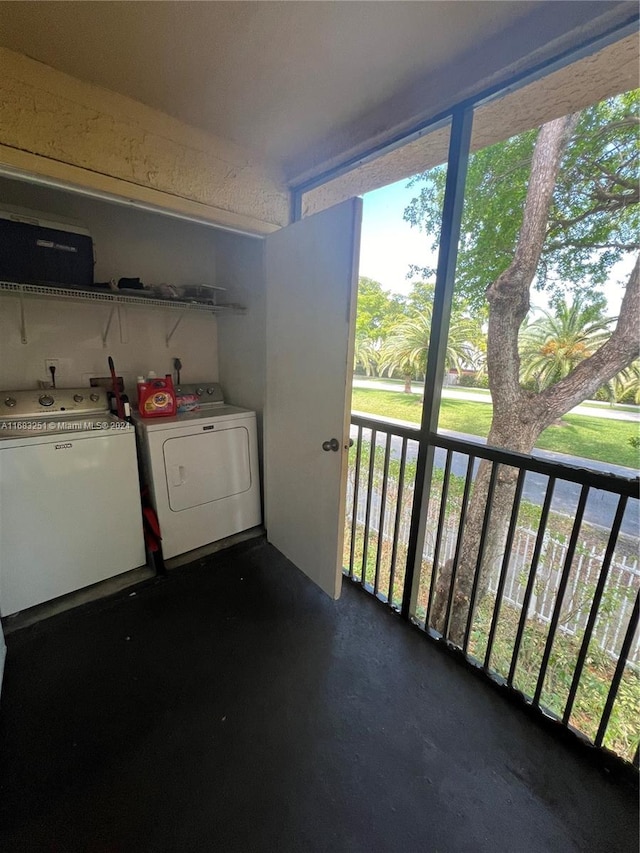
{"x":366,"y":354}
{"x":624,"y":384}
{"x":406,"y":348}
{"x":551,"y":346}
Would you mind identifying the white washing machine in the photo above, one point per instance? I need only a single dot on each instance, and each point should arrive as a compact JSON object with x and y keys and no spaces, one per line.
{"x":70,"y":512}
{"x":202,"y":470}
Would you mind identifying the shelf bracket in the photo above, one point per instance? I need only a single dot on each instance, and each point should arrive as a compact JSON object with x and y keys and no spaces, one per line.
{"x":122,"y":323}
{"x":108,"y":326}
{"x":175,"y":326}
{"x":23,"y":321}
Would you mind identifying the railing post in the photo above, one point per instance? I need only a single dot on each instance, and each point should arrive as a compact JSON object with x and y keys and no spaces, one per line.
{"x":443,"y":298}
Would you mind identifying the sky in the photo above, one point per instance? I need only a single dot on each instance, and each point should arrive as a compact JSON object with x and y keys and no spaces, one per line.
{"x":389,"y":245}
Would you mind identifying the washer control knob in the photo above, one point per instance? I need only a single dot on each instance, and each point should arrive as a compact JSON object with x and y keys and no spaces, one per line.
{"x":210,"y":390}
{"x":78,"y":398}
{"x":46,"y":400}
{"x":10,"y":401}
{"x":94,"y":397}
{"x":199,"y":391}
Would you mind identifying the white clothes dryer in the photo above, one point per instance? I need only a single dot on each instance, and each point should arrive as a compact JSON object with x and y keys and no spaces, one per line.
{"x":202,"y":470}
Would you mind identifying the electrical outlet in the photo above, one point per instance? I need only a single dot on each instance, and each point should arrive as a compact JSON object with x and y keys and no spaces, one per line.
{"x":52,"y":378}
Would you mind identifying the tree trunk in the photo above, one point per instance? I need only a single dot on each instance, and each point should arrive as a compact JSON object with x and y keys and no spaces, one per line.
{"x":407,"y":384}
{"x":518,"y":430}
{"x":520,"y":416}
{"x":517,"y":436}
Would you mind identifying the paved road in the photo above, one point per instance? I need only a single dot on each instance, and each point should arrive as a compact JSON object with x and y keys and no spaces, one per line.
{"x":600,"y":508}
{"x":594,"y":410}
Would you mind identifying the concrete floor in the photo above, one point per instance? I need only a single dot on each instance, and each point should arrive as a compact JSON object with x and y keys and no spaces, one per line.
{"x":232,"y":707}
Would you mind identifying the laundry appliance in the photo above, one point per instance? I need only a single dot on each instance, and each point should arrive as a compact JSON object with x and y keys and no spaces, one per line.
{"x":201,"y":467}
{"x":70,"y":511}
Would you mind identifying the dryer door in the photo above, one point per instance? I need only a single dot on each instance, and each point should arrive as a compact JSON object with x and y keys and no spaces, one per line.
{"x":207,"y":466}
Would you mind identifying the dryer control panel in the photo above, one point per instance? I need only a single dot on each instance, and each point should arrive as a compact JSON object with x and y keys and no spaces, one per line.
{"x":207,"y":393}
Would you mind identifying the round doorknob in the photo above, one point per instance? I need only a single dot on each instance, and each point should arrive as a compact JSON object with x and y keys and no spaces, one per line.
{"x":333,"y":444}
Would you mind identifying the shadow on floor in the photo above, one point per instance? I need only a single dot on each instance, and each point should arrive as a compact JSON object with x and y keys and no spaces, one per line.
{"x":232,"y":707}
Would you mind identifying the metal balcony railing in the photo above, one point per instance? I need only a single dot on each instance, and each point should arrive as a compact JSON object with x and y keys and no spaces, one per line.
{"x":551,"y":611}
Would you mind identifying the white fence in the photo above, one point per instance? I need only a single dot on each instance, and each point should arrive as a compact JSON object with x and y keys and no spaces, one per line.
{"x":620,"y":590}
{"x":617,"y":602}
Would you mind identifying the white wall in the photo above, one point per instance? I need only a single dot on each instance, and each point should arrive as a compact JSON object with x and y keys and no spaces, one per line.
{"x":241,"y":337}
{"x":72,"y":333}
{"x":127,"y":243}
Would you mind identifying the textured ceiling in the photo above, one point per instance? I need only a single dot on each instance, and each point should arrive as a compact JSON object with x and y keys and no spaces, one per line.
{"x":277,"y":77}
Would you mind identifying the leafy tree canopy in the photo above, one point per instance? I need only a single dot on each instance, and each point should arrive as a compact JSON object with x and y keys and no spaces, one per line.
{"x":595,"y":216}
{"x":388,"y":324}
{"x":420,"y":298}
{"x":378,"y":310}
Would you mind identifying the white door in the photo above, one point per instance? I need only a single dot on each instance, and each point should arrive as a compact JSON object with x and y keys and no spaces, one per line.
{"x":311,"y":275}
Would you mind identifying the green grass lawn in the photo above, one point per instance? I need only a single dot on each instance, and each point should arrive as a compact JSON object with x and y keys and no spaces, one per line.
{"x":587,"y":436}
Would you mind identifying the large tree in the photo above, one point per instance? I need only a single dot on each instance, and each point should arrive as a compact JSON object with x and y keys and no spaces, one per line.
{"x":554,"y":208}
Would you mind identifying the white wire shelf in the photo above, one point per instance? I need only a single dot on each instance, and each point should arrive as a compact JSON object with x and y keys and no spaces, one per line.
{"x":115,"y":300}
{"x":113,"y":297}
